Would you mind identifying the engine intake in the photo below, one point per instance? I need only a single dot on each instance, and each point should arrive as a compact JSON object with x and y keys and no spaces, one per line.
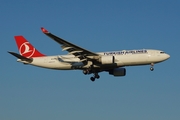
{"x":118,"y":72}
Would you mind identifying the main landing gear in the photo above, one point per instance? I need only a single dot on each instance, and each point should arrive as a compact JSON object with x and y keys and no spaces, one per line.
{"x":152,"y":68}
{"x":95,"y":76}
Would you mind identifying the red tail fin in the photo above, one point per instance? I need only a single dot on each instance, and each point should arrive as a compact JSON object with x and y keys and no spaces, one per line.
{"x":26,"y":49}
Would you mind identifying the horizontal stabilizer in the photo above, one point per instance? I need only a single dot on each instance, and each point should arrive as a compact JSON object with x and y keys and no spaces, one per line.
{"x":20,"y":56}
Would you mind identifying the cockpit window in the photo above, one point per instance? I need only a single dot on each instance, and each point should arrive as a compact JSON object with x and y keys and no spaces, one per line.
{"x":162,"y":52}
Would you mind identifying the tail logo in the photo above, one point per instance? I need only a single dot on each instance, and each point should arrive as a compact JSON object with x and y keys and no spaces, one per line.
{"x":26,"y":49}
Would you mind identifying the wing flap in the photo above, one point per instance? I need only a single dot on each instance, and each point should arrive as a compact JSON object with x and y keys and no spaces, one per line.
{"x":73,"y":52}
{"x":66,"y":48}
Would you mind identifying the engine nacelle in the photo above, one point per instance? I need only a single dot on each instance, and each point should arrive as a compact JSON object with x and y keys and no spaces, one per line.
{"x":107,"y":59}
{"x":118,"y":72}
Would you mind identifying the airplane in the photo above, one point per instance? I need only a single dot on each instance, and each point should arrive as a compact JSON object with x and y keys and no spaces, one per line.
{"x":78,"y":58}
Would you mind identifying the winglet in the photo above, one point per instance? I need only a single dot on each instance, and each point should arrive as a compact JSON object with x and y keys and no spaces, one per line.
{"x":44,"y":30}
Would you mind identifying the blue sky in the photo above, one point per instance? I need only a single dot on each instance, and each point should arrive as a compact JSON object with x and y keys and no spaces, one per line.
{"x":32,"y":93}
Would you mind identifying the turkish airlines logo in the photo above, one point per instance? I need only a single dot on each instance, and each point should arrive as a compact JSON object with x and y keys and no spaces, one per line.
{"x":26,"y":49}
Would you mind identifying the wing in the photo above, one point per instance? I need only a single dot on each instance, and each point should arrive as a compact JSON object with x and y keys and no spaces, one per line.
{"x":75,"y":50}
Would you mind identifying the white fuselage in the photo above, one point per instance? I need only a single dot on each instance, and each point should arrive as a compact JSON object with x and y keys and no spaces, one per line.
{"x":122,"y":58}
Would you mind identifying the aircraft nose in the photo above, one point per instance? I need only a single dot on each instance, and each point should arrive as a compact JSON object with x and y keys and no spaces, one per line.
{"x":168,"y":56}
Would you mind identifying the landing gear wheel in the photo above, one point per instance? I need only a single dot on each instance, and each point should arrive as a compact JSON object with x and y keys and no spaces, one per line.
{"x":92,"y":79}
{"x":151,"y":68}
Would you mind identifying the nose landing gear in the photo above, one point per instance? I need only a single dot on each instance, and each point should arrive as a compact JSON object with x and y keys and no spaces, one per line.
{"x":152,"y":68}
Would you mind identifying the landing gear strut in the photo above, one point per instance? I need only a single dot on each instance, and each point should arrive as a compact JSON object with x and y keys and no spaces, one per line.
{"x":152,"y":68}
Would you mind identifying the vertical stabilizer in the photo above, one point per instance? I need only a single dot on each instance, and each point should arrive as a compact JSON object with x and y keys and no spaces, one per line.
{"x":26,"y":49}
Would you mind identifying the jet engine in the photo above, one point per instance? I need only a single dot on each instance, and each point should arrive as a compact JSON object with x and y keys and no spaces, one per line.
{"x":118,"y":72}
{"x":107,"y":59}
